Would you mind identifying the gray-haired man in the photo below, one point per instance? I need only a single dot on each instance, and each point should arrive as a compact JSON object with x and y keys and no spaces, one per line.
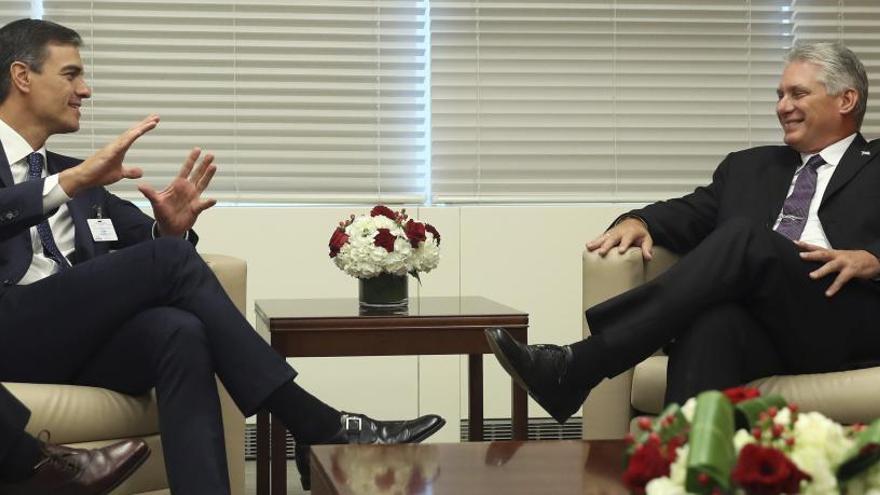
{"x":780,"y":257}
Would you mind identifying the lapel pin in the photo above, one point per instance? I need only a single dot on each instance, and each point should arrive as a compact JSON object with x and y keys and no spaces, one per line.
{"x":866,"y":153}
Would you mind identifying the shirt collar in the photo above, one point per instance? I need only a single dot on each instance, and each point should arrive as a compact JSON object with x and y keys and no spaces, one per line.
{"x":15,"y":146}
{"x":832,"y":153}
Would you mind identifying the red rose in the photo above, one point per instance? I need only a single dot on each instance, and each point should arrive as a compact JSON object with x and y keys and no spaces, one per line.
{"x":763,"y":470}
{"x":337,"y":240}
{"x":385,"y":239}
{"x":739,"y":394}
{"x":430,"y":228}
{"x":384,"y":211}
{"x":646,"y":463}
{"x":415,"y":232}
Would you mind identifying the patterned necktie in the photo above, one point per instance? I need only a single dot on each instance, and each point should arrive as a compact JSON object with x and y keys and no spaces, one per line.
{"x":35,"y":171}
{"x":797,"y":205}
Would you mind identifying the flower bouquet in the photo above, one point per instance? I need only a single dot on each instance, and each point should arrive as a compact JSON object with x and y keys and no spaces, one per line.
{"x":380,"y":249}
{"x":738,"y":442}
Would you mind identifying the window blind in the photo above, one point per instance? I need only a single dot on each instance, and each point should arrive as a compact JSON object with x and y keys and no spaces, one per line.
{"x":592,"y":100}
{"x":853,"y":22}
{"x":302,"y":101}
{"x":11,"y":10}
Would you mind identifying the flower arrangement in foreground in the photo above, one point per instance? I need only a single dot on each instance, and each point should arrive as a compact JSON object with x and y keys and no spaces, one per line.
{"x":386,"y":241}
{"x":738,"y":442}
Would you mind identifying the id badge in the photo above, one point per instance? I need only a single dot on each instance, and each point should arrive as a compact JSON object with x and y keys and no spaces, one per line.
{"x":102,"y":229}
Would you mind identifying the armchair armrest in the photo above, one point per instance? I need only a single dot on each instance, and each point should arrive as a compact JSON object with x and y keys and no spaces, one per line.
{"x":232,"y":274}
{"x":607,"y":410}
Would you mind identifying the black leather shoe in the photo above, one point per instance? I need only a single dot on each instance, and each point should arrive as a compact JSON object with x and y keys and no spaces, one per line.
{"x":67,"y":471}
{"x":359,"y":428}
{"x":540,"y":370}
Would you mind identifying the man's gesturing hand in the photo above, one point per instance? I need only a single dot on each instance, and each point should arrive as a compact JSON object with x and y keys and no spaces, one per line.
{"x":847,"y":264}
{"x":629,"y":232}
{"x":178,"y":205}
{"x":105,"y":166}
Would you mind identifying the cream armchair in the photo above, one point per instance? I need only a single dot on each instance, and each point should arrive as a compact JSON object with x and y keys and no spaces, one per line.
{"x":92,"y":417}
{"x":845,"y":396}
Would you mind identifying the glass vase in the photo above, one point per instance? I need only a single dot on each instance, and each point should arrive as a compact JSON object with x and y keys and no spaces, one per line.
{"x":385,"y":293}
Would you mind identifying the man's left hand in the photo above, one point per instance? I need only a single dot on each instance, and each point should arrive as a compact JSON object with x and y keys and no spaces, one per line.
{"x":847,"y":264}
{"x":177,"y":207}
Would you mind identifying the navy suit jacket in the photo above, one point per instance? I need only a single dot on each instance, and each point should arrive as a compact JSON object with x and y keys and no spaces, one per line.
{"x":753,"y":184}
{"x":21,"y":207}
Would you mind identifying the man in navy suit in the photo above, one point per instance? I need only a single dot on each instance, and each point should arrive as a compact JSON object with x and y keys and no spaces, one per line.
{"x":780,"y":257}
{"x":95,"y":292}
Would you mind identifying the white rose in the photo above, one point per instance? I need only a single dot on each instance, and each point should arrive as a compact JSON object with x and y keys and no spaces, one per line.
{"x":688,"y":409}
{"x":814,"y":462}
{"x":813,"y":430}
{"x":783,"y":417}
{"x":742,"y":438}
{"x":664,"y":486}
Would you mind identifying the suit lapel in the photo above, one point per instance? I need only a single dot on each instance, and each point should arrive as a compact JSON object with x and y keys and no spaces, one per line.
{"x":779,"y":181}
{"x":5,"y":171}
{"x":79,"y":208}
{"x":855,"y":157}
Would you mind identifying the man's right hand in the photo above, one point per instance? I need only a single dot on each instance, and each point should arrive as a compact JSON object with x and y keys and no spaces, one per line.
{"x":105,"y":166}
{"x":628,"y":232}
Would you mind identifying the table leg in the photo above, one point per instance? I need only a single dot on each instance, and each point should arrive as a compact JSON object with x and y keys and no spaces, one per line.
{"x":519,"y":409}
{"x":475,"y":397}
{"x":279,"y":458}
{"x":262,"y":453}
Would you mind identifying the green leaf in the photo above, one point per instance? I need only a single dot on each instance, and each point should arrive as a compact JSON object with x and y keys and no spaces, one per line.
{"x":748,"y":411}
{"x":710,"y":450}
{"x":864,"y":454}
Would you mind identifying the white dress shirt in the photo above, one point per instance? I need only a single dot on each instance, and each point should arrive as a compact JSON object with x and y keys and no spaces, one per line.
{"x":813,"y":231}
{"x":17,"y":151}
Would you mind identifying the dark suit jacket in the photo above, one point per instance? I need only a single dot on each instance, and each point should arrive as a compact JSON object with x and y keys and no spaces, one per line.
{"x":21,"y":207}
{"x":754,"y":183}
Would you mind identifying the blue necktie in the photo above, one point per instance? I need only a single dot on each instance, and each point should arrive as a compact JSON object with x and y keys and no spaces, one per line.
{"x":35,"y":171}
{"x":797,"y":206}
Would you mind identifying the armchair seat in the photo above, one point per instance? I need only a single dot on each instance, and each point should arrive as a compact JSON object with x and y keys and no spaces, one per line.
{"x":91,"y":417}
{"x":844,"y":396}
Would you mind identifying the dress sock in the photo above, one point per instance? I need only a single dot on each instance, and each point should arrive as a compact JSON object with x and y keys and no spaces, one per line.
{"x":309,"y":420}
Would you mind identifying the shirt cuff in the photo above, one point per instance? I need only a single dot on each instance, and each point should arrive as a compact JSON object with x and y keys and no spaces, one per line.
{"x":155,"y":232}
{"x":53,"y":194}
{"x":630,"y":215}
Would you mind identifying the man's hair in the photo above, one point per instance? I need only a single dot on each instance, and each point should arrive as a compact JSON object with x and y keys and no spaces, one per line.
{"x":840,"y":69}
{"x":27,"y":41}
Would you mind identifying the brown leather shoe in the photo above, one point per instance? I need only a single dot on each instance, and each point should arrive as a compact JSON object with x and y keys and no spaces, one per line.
{"x":67,"y":471}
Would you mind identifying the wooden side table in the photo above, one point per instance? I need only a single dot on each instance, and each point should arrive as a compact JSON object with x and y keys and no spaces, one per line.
{"x":335,"y":327}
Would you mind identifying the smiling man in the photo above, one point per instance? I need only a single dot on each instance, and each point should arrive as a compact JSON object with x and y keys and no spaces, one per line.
{"x":129,"y":306}
{"x":780,"y":253}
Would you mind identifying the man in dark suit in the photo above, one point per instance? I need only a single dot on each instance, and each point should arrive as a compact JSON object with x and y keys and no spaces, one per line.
{"x":94,"y":292}
{"x":780,"y":257}
{"x":31,"y":466}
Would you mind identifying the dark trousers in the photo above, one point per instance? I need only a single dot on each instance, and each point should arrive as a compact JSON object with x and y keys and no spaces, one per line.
{"x":13,"y":418}
{"x":739,"y":306}
{"x":151,"y":315}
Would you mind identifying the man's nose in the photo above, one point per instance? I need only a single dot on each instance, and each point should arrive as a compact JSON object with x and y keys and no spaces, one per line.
{"x":783,"y":105}
{"x":84,"y":91}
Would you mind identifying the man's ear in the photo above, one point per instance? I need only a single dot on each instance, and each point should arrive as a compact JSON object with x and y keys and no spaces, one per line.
{"x":848,"y":101}
{"x":20,"y":76}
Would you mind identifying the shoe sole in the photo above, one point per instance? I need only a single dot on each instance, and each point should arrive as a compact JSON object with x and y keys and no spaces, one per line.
{"x":511,"y":370}
{"x":134,"y":467}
